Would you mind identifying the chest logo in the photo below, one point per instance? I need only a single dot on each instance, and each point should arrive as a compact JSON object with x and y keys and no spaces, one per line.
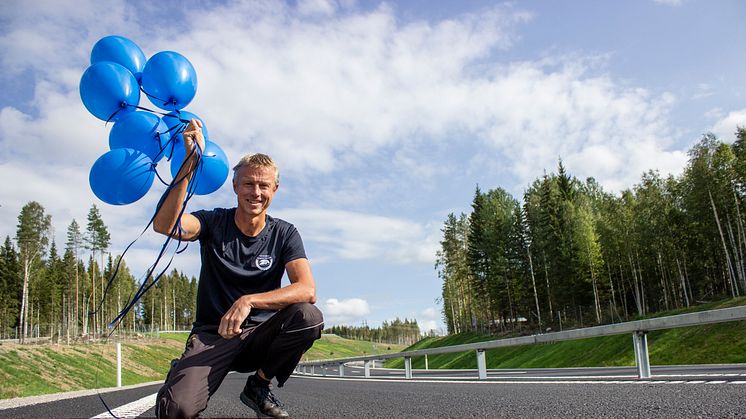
{"x":263,"y":262}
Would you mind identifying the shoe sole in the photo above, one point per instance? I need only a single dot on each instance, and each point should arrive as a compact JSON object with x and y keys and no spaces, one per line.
{"x":253,"y":406}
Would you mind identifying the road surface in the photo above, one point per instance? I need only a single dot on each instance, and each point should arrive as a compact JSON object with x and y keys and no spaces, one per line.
{"x":693,"y":391}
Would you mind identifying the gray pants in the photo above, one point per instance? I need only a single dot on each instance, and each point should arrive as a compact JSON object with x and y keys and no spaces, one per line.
{"x":274,"y":346}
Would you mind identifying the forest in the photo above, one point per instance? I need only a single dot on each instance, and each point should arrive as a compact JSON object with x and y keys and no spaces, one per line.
{"x":405,"y":332}
{"x":569,"y":254}
{"x":61,"y":294}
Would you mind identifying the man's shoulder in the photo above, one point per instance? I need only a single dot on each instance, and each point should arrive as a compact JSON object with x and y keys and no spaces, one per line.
{"x":215,"y":212}
{"x":280,"y":225}
{"x":211,"y":219}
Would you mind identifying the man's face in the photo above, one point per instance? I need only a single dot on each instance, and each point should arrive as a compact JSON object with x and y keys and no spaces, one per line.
{"x":255,"y":187}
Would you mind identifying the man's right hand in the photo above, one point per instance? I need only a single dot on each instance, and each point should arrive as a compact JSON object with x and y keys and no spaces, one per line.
{"x":167,"y":216}
{"x":193,"y":135}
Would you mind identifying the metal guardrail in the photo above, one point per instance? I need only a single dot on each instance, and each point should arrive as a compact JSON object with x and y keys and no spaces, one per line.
{"x":638,"y":329}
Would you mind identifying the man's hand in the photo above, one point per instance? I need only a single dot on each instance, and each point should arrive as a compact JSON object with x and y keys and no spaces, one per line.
{"x":230,"y":324}
{"x":193,"y":135}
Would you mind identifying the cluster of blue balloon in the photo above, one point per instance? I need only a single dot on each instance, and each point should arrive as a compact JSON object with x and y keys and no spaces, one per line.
{"x":110,"y":89}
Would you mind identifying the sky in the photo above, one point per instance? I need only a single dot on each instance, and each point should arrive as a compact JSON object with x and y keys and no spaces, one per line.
{"x":382,"y":116}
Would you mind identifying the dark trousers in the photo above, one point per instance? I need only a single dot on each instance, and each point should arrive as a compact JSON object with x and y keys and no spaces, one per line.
{"x":274,"y":346}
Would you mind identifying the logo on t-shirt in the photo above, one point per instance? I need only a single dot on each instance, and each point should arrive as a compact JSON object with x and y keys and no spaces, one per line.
{"x":264,"y":262}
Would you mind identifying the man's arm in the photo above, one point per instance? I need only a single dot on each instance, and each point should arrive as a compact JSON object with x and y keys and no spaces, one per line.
{"x":169,"y":212}
{"x":302,"y":289}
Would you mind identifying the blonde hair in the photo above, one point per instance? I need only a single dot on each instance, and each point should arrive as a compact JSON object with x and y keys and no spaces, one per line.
{"x":257,"y":160}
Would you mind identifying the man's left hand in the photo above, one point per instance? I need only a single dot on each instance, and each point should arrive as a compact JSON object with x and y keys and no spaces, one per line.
{"x":230,"y":324}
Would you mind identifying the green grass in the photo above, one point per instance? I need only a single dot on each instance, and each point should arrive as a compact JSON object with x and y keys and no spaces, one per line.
{"x":331,"y":346}
{"x":708,"y":344}
{"x":177,"y":336}
{"x":29,"y":370}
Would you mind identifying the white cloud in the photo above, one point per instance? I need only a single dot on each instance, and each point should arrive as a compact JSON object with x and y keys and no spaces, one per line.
{"x":430,"y":320}
{"x":703,"y":90}
{"x":349,"y":311}
{"x":725,"y":129}
{"x":316,"y":7}
{"x":670,"y":2}
{"x":350,"y":235}
{"x":325,"y":96}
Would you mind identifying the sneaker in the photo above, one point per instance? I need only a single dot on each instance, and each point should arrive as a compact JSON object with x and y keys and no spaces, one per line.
{"x":259,"y":397}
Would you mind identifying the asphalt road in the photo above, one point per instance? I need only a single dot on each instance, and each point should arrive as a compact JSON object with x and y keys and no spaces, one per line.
{"x":702,"y":391}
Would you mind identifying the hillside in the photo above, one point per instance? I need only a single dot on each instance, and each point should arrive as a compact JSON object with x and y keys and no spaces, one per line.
{"x":27,"y":370}
{"x":710,"y":344}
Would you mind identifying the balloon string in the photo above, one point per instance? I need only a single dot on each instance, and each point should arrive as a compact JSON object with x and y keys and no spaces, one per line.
{"x":193,"y":177}
{"x":165,"y":102}
{"x":122,"y":105}
{"x":114,"y":324}
{"x":167,"y":115}
{"x":190,"y":192}
{"x":153,"y":165}
{"x":174,"y":130}
{"x":175,"y":231}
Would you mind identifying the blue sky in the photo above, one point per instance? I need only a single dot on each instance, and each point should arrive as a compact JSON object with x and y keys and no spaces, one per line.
{"x":383,"y":117}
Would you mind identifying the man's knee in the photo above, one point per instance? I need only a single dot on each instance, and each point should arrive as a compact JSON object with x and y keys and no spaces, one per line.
{"x":170,"y":406}
{"x":305,"y":316}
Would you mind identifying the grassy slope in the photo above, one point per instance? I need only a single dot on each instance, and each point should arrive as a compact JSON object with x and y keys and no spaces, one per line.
{"x":39,"y":369}
{"x":716,"y":343}
{"x":331,"y":346}
{"x":27,"y":370}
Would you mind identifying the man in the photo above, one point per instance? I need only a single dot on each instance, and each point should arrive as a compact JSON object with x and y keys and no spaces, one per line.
{"x":245,"y":320}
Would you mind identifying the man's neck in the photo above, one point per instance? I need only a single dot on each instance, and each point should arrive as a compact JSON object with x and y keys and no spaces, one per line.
{"x":250,"y":225}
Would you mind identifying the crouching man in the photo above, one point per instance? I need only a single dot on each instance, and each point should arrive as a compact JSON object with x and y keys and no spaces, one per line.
{"x":245,"y":320}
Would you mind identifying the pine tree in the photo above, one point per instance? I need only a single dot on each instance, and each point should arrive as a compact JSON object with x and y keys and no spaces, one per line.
{"x":32,"y":237}
{"x":73,"y":246}
{"x":10,"y":288}
{"x":97,"y":240}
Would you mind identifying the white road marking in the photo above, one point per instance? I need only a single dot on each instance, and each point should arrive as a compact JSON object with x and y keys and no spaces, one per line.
{"x":130,"y":410}
{"x":46,"y":398}
{"x":529,"y":381}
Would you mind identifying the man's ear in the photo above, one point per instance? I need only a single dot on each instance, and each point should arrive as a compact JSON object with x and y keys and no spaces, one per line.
{"x":235,"y":186}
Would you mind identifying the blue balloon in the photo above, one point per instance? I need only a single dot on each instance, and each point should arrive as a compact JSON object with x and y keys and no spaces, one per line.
{"x":170,"y":80}
{"x":142,"y":131}
{"x":109,"y":91}
{"x":121,"y":51}
{"x":213,"y":169}
{"x":121,"y":176}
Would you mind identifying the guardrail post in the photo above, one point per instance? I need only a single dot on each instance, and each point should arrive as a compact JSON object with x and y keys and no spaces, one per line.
{"x":341,"y":370}
{"x":408,"y":367}
{"x":481,"y":364}
{"x":323,"y":370}
{"x":642,"y":360}
{"x":313,"y":369}
{"x":119,"y":364}
{"x":366,"y":365}
{"x":426,"y":367}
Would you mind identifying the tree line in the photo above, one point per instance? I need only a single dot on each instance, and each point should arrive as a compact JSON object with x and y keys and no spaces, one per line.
{"x":569,"y":254}
{"x":62,"y":294}
{"x":405,"y":332}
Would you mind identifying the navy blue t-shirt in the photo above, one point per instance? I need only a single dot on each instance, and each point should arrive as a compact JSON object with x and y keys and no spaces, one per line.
{"x":234,"y":264}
